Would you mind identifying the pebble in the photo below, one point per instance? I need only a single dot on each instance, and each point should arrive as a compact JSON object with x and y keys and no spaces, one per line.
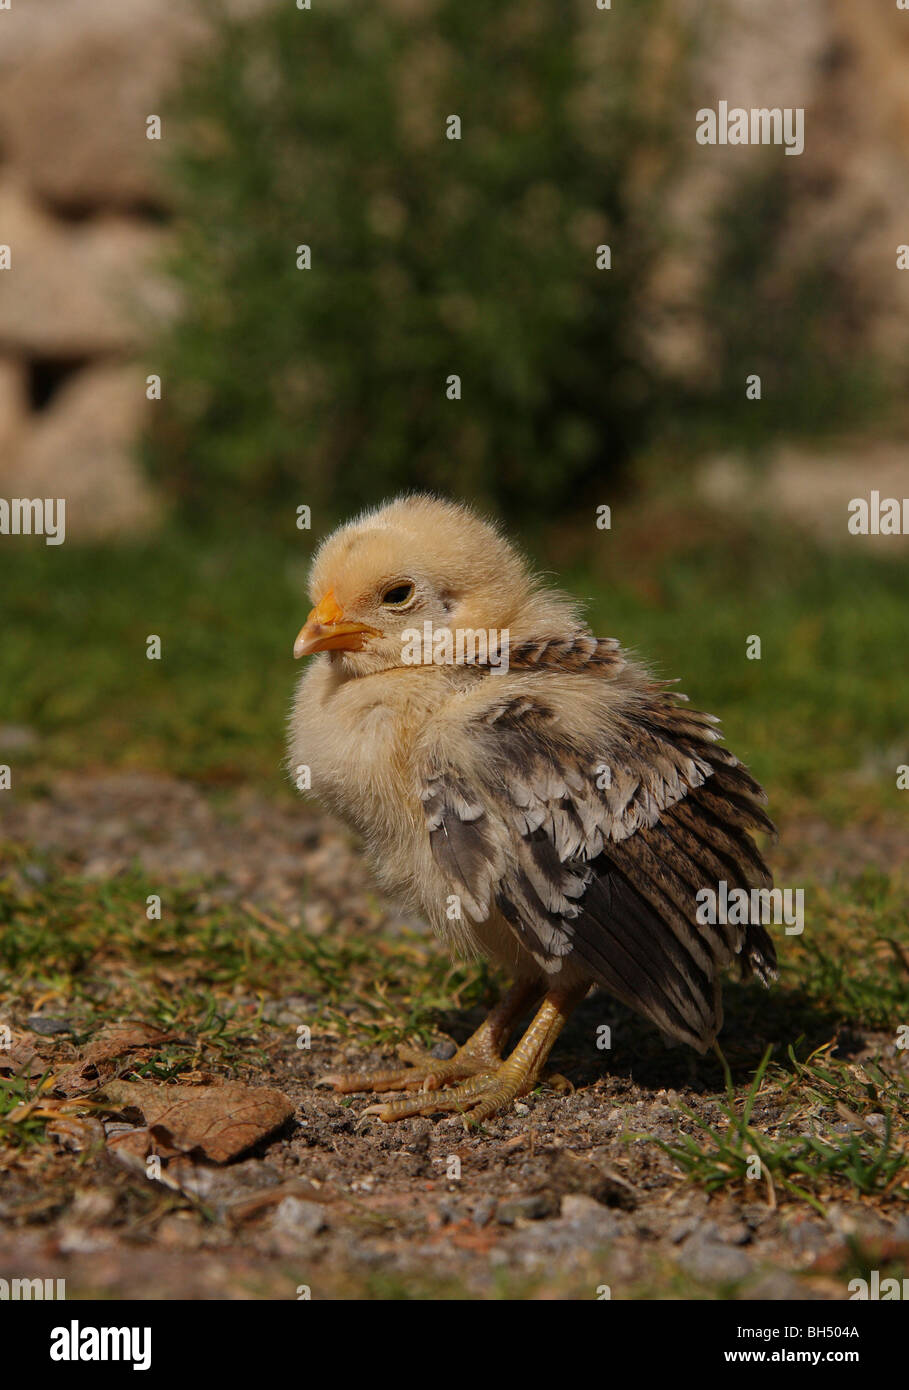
{"x":298,"y":1217}
{"x":47,"y":1027}
{"x":483,"y":1211}
{"x":713,"y":1262}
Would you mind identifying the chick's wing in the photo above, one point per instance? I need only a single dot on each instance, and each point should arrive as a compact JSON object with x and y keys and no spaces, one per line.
{"x":595,"y":849}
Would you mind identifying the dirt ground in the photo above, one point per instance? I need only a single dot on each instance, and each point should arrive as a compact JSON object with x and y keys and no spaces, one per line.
{"x":563,"y":1196}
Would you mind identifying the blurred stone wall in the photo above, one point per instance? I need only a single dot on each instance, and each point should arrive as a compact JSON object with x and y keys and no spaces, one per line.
{"x":85,"y":214}
{"x":846,"y":63}
{"x":83,"y":209}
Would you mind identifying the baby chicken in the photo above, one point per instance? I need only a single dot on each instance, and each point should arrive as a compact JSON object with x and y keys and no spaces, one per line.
{"x":526,"y":786}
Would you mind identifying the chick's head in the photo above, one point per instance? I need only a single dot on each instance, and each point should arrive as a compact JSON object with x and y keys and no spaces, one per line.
{"x":414,"y":561}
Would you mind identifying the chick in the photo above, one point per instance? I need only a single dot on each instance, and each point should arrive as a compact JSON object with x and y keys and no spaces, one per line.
{"x":527,"y":787}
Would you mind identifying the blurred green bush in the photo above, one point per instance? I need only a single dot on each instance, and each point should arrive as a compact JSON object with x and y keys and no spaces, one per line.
{"x":430,"y":257}
{"x":433,"y":257}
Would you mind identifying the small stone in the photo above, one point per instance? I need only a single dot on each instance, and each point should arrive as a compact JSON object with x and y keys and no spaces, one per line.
{"x":298,"y":1217}
{"x":483,"y":1211}
{"x":444,"y":1050}
{"x":75,"y":1240}
{"x":577,"y":1205}
{"x":598,"y":1223}
{"x":713,"y":1262}
{"x":91,"y":1207}
{"x":683,"y":1229}
{"x":46,"y":1026}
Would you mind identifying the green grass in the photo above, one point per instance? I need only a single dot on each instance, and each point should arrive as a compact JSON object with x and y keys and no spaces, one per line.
{"x":205,"y":974}
{"x":88,"y":949}
{"x":74,"y":665}
{"x":821,"y":717}
{"x":811,"y":1166}
{"x":869,"y":984}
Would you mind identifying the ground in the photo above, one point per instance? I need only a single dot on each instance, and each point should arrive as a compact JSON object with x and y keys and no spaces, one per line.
{"x":269,"y":923}
{"x":184,"y":1034}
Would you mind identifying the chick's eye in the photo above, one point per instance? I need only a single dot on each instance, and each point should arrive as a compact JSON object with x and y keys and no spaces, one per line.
{"x":397,"y":595}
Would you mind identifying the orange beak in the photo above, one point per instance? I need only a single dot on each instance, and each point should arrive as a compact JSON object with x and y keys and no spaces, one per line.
{"x":326,"y":631}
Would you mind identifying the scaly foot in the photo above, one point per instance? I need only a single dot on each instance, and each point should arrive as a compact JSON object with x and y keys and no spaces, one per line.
{"x":492,"y":1084}
{"x":480,"y":1056}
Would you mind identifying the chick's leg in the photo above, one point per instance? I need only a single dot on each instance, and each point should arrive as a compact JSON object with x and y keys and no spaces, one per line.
{"x":480,"y":1056}
{"x":483,"y":1095}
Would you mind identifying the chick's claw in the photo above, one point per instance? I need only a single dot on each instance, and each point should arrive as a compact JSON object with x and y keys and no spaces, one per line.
{"x":480,"y":1057}
{"x":425,"y":1073}
{"x":468,"y":1099}
{"x":491,"y":1088}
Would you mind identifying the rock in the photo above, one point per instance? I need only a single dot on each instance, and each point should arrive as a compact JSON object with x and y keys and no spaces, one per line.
{"x":681,"y":1230}
{"x":298,"y":1218}
{"x":90,"y":1207}
{"x":576,"y":1206}
{"x":73,"y":122}
{"x":808,"y":1236}
{"x":291,"y":1012}
{"x":13,"y":405}
{"x":78,"y":84}
{"x":47,"y":1027}
{"x":812,"y":489}
{"x":713,"y":1262}
{"x":83,"y":449}
{"x":76,"y":1240}
{"x":484,"y":1210}
{"x":74,"y":99}
{"x":76,"y":291}
{"x":595,"y":1222}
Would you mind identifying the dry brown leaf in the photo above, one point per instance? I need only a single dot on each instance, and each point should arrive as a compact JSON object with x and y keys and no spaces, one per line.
{"x":218,"y":1121}
{"x":99,"y":1059}
{"x":21,"y":1058}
